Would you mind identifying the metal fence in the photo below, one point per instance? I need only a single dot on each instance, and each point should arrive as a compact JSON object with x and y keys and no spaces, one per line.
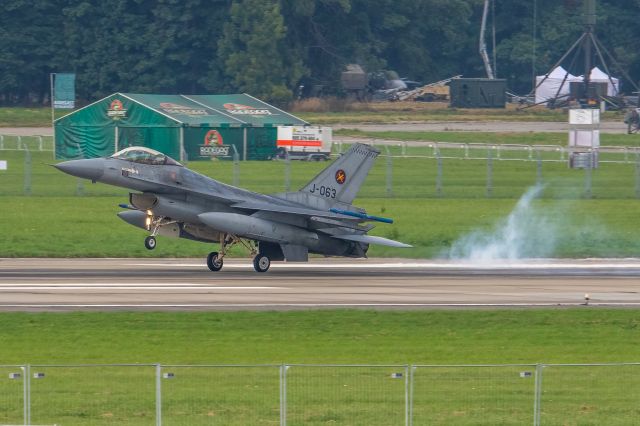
{"x":413,"y":170}
{"x":154,"y":394}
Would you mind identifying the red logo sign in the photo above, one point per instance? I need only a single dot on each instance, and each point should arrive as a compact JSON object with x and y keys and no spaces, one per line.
{"x":341,"y":176}
{"x":213,"y":137}
{"x":116,"y":105}
{"x":116,"y":110}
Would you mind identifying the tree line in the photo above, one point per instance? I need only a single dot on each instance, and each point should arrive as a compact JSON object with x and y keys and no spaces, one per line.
{"x":269,"y":48}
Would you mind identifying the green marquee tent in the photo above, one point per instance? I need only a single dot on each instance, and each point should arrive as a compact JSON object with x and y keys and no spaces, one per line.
{"x":181,"y":126}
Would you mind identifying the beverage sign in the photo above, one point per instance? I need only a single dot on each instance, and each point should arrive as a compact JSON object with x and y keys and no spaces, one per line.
{"x":213,"y":145}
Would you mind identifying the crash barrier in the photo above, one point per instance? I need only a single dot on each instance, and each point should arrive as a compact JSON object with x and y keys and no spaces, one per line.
{"x":429,"y":170}
{"x":154,"y":394}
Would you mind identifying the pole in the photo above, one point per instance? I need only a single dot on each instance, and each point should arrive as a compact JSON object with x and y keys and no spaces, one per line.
{"x":182,"y":157}
{"x":489,"y":174}
{"x":158,"y":395}
{"x":287,"y":171}
{"x":27,"y":171}
{"x":53,"y":114}
{"x":539,"y":169}
{"x":587,"y":176}
{"x":439,"y":174}
{"x":389,"y":172}
{"x":244,"y":144}
{"x":537,"y":396}
{"x":637,"y":175}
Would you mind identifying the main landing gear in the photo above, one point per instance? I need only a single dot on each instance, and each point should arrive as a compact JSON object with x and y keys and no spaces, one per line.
{"x":215,"y":260}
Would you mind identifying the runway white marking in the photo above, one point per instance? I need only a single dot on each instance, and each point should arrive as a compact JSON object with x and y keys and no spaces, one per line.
{"x":121,"y":286}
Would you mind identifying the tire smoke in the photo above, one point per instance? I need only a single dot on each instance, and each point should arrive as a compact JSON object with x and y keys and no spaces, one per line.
{"x":528,"y":232}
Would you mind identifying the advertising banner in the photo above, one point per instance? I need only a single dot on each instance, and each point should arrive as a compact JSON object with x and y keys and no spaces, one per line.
{"x":64,"y":91}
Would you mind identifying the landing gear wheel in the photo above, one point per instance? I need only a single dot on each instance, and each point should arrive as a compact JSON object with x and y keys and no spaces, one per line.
{"x":261,"y":263}
{"x":214,"y":262}
{"x":150,"y":242}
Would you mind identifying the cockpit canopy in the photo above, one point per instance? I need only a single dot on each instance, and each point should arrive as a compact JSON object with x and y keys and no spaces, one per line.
{"x":143,"y":155}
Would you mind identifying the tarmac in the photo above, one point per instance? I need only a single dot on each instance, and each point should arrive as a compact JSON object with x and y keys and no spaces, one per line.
{"x":187,"y":284}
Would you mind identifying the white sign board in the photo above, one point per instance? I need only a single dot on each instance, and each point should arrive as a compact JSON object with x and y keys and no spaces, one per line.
{"x":584,"y":116}
{"x":3,"y":164}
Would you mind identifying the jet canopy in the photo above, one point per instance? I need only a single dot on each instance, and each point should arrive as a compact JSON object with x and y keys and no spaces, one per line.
{"x":143,"y":155}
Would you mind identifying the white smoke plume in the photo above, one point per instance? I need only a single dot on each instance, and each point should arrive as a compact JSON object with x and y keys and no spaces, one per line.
{"x":528,"y":232}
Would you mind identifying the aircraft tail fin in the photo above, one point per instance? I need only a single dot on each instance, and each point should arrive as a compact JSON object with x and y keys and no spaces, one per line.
{"x":342,"y":179}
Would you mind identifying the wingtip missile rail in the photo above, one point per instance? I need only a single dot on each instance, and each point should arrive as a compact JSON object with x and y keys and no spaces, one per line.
{"x":361,"y":215}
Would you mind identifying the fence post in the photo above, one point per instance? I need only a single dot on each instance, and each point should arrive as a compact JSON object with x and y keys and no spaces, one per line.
{"x":412,"y":371}
{"x":236,"y":166}
{"x":439,"y":174}
{"x":283,"y":394}
{"x":27,"y":378}
{"x":19,"y":142}
{"x":587,"y":178}
{"x":539,"y":169}
{"x":489,"y":174}
{"x":27,"y":171}
{"x":40,"y":143}
{"x":538,"y":395}
{"x":287,"y":171}
{"x":406,"y":395}
{"x":637,"y":175}
{"x":158,"y":395}
{"x":1,"y":141}
{"x":389,"y":172}
{"x":404,"y":149}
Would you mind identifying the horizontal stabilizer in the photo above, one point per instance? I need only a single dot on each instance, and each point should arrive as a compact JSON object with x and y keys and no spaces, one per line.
{"x":371,"y":239}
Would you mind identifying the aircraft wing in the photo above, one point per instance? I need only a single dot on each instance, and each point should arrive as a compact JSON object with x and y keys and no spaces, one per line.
{"x":177,"y":189}
{"x":293,"y":210}
{"x":371,"y":239}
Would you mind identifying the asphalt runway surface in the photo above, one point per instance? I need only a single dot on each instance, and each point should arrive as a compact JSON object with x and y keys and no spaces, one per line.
{"x":187,"y":284}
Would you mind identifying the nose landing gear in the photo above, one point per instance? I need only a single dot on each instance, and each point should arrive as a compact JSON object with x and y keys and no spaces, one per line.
{"x":150,"y":242}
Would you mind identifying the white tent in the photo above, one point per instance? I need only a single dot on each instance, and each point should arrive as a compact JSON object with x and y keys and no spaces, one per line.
{"x":548,"y":89}
{"x":598,"y":76}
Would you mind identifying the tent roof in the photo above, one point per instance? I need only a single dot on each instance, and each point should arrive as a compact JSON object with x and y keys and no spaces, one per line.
{"x":597,"y":74}
{"x":559,"y":73}
{"x":236,"y":110}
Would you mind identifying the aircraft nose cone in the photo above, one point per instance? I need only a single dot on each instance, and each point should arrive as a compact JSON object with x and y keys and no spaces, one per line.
{"x":92,"y":168}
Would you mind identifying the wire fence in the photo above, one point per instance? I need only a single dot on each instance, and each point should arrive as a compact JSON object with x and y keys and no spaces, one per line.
{"x":154,"y":394}
{"x":405,"y":170}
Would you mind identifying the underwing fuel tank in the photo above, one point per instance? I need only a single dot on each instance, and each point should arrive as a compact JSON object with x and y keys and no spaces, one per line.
{"x":261,"y":229}
{"x":189,"y":231}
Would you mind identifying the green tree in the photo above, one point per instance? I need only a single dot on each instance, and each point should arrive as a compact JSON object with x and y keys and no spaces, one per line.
{"x":253,"y":53}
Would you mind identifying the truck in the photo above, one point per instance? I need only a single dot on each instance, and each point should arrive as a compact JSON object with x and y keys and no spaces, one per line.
{"x":308,"y":143}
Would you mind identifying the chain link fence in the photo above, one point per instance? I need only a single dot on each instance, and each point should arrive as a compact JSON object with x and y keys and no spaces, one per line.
{"x":153,"y":394}
{"x":406,"y":170}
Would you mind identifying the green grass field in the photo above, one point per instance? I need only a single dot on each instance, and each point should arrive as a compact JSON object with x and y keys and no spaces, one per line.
{"x":499,"y":138}
{"x":53,"y":221}
{"x":321,"y":395}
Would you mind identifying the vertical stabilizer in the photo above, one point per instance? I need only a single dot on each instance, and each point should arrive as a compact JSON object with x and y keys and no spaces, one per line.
{"x":341,"y":181}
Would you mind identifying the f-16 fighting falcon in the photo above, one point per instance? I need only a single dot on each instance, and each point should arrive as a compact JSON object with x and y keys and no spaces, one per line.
{"x":174,"y":201}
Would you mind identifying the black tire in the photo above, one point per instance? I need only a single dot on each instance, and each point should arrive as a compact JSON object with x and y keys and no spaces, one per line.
{"x":213,"y":262}
{"x":261,"y":263}
{"x":150,"y":242}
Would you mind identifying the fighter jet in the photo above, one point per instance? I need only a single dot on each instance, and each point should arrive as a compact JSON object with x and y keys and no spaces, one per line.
{"x":171,"y":200}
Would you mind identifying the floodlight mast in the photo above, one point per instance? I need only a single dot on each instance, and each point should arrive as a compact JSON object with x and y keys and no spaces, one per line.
{"x":483,"y":44}
{"x":589,"y":25}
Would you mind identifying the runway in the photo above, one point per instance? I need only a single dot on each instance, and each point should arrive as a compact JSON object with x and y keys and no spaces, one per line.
{"x":187,"y":284}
